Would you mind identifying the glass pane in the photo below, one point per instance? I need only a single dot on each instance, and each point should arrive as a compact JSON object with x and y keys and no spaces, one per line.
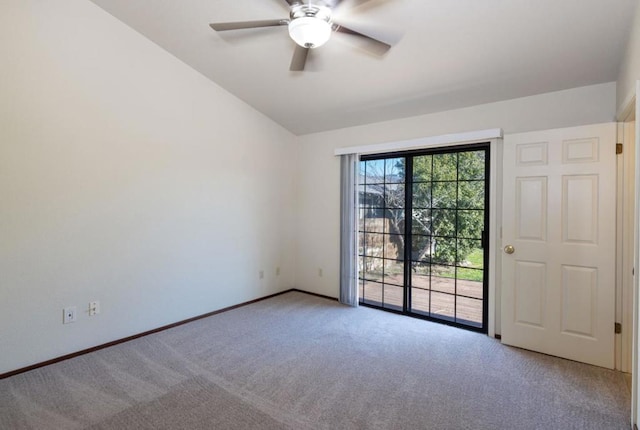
{"x":372,"y":196}
{"x":443,"y":279}
{"x":374,"y":225}
{"x":394,"y":195}
{"x":471,"y":195}
{"x":372,"y":293}
{"x":444,"y":195}
{"x":420,"y":301}
{"x":444,"y":167}
{"x":394,"y":222}
{"x":422,"y":168}
{"x":420,"y":269}
{"x":394,"y":170}
{"x":443,"y":222}
{"x":393,"y":272}
{"x":394,"y":247}
{"x":444,"y":251}
{"x":361,"y":219}
{"x":393,"y":297}
{"x":469,"y":288}
{"x":361,"y":243}
{"x":470,"y":254}
{"x":360,"y":267}
{"x":373,"y":244}
{"x":442,"y":305}
{"x":374,"y":172}
{"x":470,"y":224}
{"x":372,"y":269}
{"x":420,"y":281}
{"x":421,"y":221}
{"x":471,"y":165}
{"x":421,"y":249}
{"x":469,"y":310}
{"x":422,"y":195}
{"x":471,"y":275}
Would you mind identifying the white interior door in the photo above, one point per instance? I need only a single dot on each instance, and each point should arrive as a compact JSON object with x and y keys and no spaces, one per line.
{"x":559,"y":203}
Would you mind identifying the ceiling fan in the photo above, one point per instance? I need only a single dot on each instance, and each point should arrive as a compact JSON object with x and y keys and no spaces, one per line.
{"x":310,"y":26}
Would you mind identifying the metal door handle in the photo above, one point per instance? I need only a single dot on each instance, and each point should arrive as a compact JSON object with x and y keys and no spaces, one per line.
{"x":509,"y":249}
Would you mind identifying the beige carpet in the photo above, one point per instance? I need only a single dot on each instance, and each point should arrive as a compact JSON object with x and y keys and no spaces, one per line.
{"x":300,"y":362}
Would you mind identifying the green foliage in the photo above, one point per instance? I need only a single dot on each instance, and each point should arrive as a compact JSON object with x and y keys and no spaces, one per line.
{"x":448,"y":202}
{"x":471,"y":273}
{"x":442,"y":183}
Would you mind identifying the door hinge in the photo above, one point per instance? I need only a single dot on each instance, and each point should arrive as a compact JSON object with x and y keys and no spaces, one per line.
{"x":618,"y":148}
{"x":618,"y":328}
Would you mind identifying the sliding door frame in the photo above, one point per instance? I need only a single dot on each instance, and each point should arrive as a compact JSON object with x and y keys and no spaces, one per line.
{"x":494,"y":136}
{"x":408,"y":156}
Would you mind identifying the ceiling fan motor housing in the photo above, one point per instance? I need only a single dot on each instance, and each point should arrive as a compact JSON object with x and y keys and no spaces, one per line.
{"x":310,"y":25}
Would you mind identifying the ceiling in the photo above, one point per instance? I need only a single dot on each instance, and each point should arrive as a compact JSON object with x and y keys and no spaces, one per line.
{"x":446,"y":54}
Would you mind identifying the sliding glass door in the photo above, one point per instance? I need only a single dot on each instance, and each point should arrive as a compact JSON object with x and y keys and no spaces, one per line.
{"x":382,"y":232}
{"x":423,"y":223}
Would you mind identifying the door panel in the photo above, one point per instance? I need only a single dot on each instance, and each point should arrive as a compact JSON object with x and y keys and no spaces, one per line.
{"x":530,"y":292}
{"x":531,"y":208}
{"x":558,"y":286}
{"x":579,"y":300}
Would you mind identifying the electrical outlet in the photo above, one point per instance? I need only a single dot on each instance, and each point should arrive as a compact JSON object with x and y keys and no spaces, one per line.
{"x":69,"y":315}
{"x":277,"y":271}
{"x":261,"y":274}
{"x":320,"y":272}
{"x":94,"y":308}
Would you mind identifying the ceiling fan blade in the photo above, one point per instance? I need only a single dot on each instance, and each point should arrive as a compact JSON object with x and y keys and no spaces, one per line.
{"x":224,"y":26}
{"x":377,"y":46}
{"x":299,"y":59}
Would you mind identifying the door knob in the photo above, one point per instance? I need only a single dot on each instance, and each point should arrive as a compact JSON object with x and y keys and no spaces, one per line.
{"x":509,"y":249}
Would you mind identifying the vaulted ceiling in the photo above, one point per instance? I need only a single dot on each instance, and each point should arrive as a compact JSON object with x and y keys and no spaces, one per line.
{"x":446,"y":54}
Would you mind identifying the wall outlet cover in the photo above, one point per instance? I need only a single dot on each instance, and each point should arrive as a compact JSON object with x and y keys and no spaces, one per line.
{"x":94,"y":308}
{"x":69,"y":315}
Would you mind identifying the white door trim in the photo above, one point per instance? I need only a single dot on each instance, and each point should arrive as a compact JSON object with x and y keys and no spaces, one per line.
{"x":632,"y":108}
{"x":495,"y":238}
{"x":625,"y":242}
{"x":424,"y":142}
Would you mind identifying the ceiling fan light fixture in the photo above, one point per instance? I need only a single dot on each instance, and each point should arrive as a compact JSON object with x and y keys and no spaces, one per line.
{"x":310,"y":31}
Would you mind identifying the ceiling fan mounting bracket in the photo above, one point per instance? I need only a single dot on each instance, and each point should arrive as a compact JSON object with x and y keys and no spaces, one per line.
{"x":310,"y":11}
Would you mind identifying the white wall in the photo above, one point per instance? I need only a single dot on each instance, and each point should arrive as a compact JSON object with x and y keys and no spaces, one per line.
{"x":630,"y":67}
{"x":126,"y":177}
{"x":318,"y":187}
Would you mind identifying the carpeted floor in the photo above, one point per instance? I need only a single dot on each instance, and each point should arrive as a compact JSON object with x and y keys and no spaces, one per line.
{"x":297,"y":361}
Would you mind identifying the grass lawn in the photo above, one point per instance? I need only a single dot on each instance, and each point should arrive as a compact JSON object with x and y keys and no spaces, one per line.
{"x":472,"y":273}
